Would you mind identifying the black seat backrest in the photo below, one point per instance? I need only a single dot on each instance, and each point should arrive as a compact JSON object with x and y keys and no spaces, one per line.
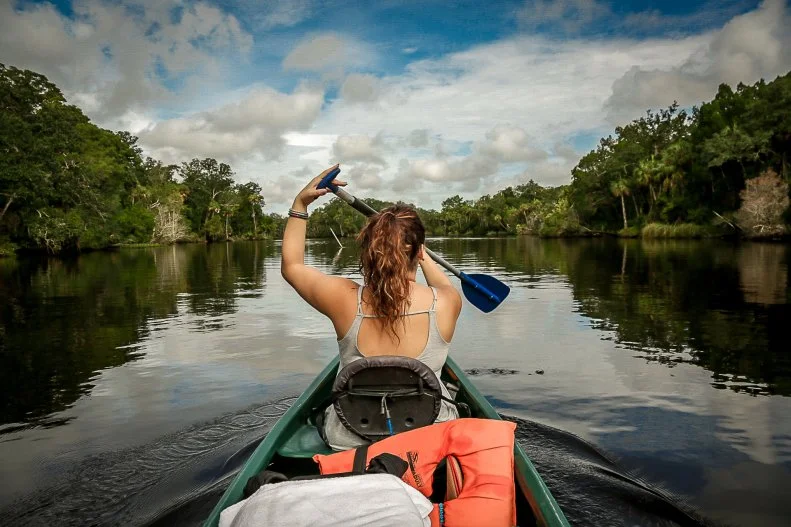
{"x":369,"y":389}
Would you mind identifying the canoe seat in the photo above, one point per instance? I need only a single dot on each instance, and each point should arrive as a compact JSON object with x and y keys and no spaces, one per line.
{"x":305,"y":442}
{"x":377,"y":397}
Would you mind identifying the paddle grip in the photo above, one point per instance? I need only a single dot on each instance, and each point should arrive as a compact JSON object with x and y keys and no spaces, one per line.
{"x":326,"y":181}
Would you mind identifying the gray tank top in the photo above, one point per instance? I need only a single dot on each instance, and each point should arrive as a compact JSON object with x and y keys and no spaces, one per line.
{"x":433,"y":356}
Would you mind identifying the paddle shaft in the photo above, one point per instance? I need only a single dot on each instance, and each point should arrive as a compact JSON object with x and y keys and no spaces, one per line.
{"x":370,"y":211}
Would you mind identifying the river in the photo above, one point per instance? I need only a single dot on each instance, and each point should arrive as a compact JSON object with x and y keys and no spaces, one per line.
{"x":129,"y":378}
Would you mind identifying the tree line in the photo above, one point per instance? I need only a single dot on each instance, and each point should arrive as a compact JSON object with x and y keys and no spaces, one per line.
{"x":721,"y":168}
{"x":718,"y":169}
{"x":725,"y":163}
{"x":67,"y":184}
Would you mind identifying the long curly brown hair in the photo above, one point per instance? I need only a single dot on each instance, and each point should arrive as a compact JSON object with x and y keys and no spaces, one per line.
{"x":391,"y":242}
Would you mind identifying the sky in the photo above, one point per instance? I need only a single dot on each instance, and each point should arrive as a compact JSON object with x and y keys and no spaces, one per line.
{"x":417,"y":100}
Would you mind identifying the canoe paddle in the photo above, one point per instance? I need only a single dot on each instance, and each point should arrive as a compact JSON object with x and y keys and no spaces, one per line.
{"x":483,"y":291}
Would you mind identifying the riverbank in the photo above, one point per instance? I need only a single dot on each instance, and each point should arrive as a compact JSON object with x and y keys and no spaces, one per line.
{"x":9,"y":249}
{"x":689,"y":231}
{"x":652,"y":231}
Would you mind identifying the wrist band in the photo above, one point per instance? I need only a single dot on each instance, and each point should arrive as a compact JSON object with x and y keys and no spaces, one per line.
{"x":297,"y":214}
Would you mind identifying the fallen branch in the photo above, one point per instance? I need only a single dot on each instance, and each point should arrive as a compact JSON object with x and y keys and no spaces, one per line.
{"x":726,"y":221}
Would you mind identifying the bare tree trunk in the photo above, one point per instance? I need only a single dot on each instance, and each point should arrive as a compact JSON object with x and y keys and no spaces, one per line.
{"x":226,"y":227}
{"x":7,"y":204}
{"x":255,"y":227}
{"x":636,"y":211}
{"x":623,"y":209}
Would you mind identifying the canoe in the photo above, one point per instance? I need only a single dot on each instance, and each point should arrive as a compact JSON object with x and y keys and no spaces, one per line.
{"x":292,"y":442}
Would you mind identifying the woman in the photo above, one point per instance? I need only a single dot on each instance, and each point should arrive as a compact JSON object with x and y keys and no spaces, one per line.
{"x":391,"y":314}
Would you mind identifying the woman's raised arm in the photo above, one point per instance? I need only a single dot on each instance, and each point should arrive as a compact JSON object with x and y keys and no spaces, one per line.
{"x":318,"y":289}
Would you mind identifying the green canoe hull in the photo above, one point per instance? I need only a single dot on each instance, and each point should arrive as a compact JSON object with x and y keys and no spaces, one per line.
{"x":295,"y":439}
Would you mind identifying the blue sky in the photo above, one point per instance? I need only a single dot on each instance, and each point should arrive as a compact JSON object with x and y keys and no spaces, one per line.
{"x":416,"y":99}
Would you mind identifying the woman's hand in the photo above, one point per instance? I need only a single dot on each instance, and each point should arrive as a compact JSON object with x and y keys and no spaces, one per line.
{"x":422,"y":256}
{"x":310,"y":193}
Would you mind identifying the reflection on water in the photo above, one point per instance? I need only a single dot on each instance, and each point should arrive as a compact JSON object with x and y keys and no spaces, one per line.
{"x":722,"y":307}
{"x":65,"y":320}
{"x":673,"y":356}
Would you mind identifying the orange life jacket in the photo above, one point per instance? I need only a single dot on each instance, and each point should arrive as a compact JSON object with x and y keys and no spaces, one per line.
{"x":484,"y":448}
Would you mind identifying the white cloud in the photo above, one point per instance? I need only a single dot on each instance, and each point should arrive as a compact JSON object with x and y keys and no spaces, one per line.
{"x":365,"y":176}
{"x":749,"y":47}
{"x":327,"y":51}
{"x":533,"y":83}
{"x":418,"y":138}
{"x":466,"y":172}
{"x":360,"y":88}
{"x":437,"y":170}
{"x":570,"y":15}
{"x":508,"y":143}
{"x":315,"y":141}
{"x":348,"y":149}
{"x":566,"y":152}
{"x":113,"y":60}
{"x":513,"y":90}
{"x":281,"y":13}
{"x":282,"y":189}
{"x":254,"y":123}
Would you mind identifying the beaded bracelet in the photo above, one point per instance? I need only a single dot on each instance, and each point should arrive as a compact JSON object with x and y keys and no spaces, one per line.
{"x":298,"y":214}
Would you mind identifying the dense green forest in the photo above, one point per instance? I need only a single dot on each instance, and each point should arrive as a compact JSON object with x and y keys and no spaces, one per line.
{"x":722,"y":168}
{"x":67,"y":184}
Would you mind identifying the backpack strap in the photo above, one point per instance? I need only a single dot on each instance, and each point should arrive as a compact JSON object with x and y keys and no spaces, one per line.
{"x":360,"y":460}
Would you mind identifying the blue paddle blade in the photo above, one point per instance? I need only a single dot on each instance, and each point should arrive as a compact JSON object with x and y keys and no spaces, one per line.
{"x":483,"y":291}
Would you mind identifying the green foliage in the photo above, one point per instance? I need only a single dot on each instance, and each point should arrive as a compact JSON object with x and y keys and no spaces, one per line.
{"x":681,"y":230}
{"x":674,"y":168}
{"x":7,"y":248}
{"x":56,"y":229}
{"x":135,"y":224}
{"x":214,"y":229}
{"x":66,"y":184}
{"x":631,"y":232}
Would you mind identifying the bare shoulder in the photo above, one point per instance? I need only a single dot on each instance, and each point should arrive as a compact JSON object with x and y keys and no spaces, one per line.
{"x":449,"y":301}
{"x":448,"y":310}
{"x":346,"y":288}
{"x":342,"y":304}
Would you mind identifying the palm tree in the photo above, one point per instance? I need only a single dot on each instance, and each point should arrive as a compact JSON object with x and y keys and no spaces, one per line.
{"x":619,"y":189}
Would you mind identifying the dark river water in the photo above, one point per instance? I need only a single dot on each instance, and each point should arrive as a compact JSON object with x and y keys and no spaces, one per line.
{"x":135,"y":379}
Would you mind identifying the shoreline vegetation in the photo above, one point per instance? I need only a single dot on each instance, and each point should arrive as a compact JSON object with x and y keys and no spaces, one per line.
{"x":717,"y":170}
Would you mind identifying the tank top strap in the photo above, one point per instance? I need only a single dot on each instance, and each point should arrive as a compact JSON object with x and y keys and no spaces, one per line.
{"x":433,"y":307}
{"x":360,"y":300}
